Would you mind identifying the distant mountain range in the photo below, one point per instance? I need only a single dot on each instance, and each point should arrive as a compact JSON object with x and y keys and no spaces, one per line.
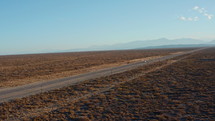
{"x":146,"y":44}
{"x":140,"y":44}
{"x":212,"y":42}
{"x":177,"y":46}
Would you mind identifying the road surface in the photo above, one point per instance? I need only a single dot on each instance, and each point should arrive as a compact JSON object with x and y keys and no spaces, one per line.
{"x":11,"y":93}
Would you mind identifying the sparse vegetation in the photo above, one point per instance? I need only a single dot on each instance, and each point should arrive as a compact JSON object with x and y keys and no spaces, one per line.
{"x":22,"y":69}
{"x":181,"y":91}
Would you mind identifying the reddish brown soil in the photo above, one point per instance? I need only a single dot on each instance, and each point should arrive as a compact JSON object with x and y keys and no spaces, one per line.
{"x":181,"y":91}
{"x":22,"y":69}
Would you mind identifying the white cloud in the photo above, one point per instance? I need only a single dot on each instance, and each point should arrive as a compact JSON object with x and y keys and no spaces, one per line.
{"x":196,"y":7}
{"x":209,"y":16}
{"x":183,"y":18}
{"x":189,"y":18}
{"x":203,"y":12}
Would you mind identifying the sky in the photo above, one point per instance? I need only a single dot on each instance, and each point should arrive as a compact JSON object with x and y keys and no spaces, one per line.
{"x":39,"y":25}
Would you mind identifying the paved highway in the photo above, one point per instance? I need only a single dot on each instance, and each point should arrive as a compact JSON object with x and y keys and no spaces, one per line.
{"x":11,"y":93}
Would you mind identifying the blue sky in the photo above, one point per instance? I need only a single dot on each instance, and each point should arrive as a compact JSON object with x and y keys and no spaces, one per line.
{"x":38,"y":25}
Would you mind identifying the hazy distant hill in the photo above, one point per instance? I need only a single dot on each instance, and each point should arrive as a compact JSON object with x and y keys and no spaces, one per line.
{"x":141,"y":44}
{"x":147,"y":43}
{"x":158,"y":43}
{"x":176,"y":46}
{"x":212,"y":42}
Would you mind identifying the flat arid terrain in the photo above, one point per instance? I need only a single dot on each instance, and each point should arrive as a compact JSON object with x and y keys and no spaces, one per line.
{"x":178,"y":88}
{"x":23,"y":69}
{"x":107,"y":60}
